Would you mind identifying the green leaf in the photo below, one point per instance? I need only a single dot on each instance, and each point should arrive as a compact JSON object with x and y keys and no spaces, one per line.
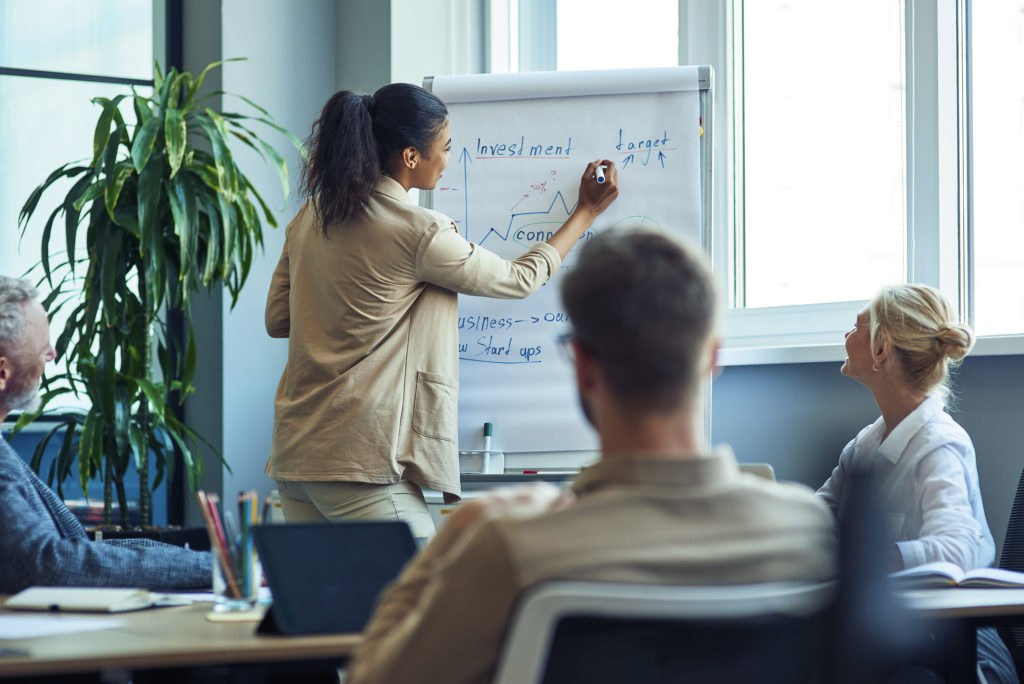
{"x":72,"y":216}
{"x":280,"y":165}
{"x":89,"y":450}
{"x":175,"y":132}
{"x":189,"y":372}
{"x":212,"y":254}
{"x":249,"y":102}
{"x":155,"y":394}
{"x":110,"y":153}
{"x":112,"y":190}
{"x":92,"y":192}
{"x":185,"y":214}
{"x":222,"y":158}
{"x":33,"y":199}
{"x":174,"y":92}
{"x":149,"y":202}
{"x":267,"y":214}
{"x":111,"y":271}
{"x":66,"y":455}
{"x":102,"y":132}
{"x":145,"y":139}
{"x":202,"y":77}
{"x":142,"y":110}
{"x":45,"y":242}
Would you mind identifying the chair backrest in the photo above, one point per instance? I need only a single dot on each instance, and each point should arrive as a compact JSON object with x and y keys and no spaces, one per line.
{"x":763,"y":470}
{"x":605,"y":632}
{"x":1012,"y":558}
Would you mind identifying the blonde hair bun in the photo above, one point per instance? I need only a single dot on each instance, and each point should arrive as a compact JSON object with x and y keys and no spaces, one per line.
{"x":921,"y":324}
{"x":955,"y":340}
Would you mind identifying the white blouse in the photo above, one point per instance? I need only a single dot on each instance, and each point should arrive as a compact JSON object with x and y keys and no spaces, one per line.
{"x":929,"y":492}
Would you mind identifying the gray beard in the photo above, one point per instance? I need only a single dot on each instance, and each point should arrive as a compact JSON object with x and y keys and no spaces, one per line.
{"x":27,"y":401}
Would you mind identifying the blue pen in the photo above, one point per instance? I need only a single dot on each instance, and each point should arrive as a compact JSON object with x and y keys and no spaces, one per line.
{"x":599,"y":174}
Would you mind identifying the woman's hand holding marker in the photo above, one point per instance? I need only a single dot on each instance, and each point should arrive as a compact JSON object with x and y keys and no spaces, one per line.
{"x":599,"y":186}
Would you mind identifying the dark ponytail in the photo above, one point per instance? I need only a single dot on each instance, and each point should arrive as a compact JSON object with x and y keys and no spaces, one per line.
{"x":356,"y":138}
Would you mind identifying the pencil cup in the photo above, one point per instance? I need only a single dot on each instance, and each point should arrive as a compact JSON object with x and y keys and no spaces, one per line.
{"x":235,"y":588}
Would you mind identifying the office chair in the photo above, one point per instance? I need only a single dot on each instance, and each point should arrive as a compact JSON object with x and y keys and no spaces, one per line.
{"x":1012,"y":558}
{"x":605,"y":632}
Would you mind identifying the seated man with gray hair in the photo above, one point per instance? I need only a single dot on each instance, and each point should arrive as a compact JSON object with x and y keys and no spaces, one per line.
{"x":659,"y":507}
{"x":41,"y":541}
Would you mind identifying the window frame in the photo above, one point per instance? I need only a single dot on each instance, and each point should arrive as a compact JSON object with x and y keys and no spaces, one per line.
{"x":939,"y":222}
{"x":939,"y":214}
{"x":167,"y":30}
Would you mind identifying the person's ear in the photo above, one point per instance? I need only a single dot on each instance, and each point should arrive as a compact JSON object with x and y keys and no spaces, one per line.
{"x":586,"y":368}
{"x":410,"y":157}
{"x":5,"y":372}
{"x":714,"y":349}
{"x":882,"y":350}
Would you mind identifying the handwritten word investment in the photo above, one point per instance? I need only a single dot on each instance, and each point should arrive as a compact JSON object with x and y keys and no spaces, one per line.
{"x":487,"y":150}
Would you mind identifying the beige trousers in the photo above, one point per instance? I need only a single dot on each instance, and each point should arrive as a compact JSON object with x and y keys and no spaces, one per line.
{"x":334,"y":501}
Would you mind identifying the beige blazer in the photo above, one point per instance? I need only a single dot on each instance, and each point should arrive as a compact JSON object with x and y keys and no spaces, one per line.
{"x":369,"y":392}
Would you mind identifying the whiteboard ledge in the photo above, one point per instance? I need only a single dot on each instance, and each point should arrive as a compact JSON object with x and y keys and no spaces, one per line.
{"x":538,"y":85}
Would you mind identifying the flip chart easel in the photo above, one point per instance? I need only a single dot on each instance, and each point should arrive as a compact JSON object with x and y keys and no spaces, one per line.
{"x":519,"y":145}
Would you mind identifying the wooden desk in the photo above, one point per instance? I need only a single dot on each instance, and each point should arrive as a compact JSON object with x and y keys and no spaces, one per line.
{"x":164,"y":638}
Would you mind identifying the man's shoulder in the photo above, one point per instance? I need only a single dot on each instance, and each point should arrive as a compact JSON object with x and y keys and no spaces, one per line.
{"x":791,"y":499}
{"x":12,"y":468}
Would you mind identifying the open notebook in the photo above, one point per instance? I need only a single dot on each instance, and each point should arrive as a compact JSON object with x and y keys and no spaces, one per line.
{"x":934,"y":575}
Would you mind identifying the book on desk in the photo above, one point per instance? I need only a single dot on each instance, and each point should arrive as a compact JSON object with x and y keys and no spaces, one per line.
{"x":940,"y":574}
{"x":89,"y":599}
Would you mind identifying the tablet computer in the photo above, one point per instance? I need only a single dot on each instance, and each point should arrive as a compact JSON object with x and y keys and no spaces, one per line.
{"x":325,"y":577}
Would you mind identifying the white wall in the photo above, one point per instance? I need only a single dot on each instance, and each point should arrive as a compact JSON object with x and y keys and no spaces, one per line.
{"x":291,"y":71}
{"x":435,"y":38}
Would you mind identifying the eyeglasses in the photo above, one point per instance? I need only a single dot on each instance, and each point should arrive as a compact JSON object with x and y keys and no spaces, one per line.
{"x":568,"y":343}
{"x":565,"y":348}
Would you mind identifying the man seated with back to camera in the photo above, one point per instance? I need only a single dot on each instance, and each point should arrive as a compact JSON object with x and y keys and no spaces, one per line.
{"x":659,"y":507}
{"x":41,"y":541}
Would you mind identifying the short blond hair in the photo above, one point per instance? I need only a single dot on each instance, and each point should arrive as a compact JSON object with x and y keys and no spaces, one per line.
{"x":928,"y":339}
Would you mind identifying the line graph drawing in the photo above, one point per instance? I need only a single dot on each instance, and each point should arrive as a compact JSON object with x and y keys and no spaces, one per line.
{"x":558,"y":198}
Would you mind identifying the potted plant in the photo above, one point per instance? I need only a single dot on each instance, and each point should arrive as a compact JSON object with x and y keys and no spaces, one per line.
{"x":161,"y":211}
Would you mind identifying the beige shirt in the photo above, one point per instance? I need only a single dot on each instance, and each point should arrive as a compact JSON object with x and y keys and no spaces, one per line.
{"x":697,"y":521}
{"x":369,"y":393}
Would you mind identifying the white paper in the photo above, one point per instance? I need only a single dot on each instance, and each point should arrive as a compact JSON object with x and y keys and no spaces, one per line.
{"x":30,"y":627}
{"x":562,"y":84}
{"x":513,"y":179}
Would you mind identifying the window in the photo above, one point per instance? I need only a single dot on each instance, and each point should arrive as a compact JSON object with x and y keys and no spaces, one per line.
{"x":857,"y":144}
{"x":819,"y":121}
{"x":997,"y":50}
{"x":611,"y":34}
{"x":55,"y":56}
{"x":538,"y":35}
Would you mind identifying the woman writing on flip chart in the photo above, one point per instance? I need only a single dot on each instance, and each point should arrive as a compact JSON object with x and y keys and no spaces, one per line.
{"x":901,"y":349}
{"x":365,"y":292}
